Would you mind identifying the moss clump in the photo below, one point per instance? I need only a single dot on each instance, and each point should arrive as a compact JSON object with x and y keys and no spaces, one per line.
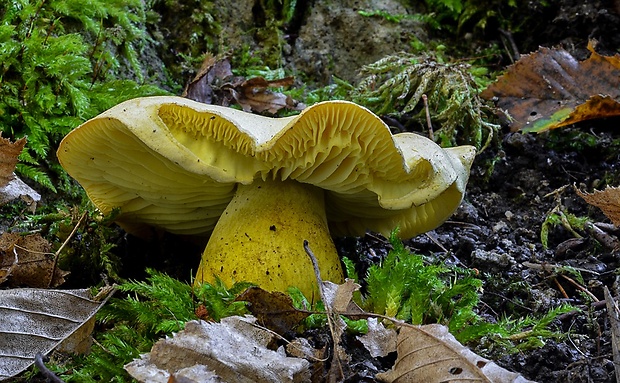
{"x":397,"y":84}
{"x":60,"y":64}
{"x":406,"y":287}
{"x":150,"y":310}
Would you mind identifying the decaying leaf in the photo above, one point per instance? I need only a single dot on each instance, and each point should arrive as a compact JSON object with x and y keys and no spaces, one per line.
{"x":12,"y":187}
{"x":273,"y":310}
{"x":215,"y":84}
{"x":430,"y":353}
{"x":379,"y":341}
{"x":339,"y":298}
{"x":37,"y":321}
{"x":9,"y":151}
{"x":206,"y":85}
{"x":549,"y":89}
{"x":254,"y":95}
{"x":607,"y":200}
{"x":234,"y":350}
{"x":27,"y":261}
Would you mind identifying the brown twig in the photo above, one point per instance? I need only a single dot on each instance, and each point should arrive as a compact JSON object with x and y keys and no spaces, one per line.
{"x":431,"y":134}
{"x":57,"y":253}
{"x":614,"y":320}
{"x":578,"y":286}
{"x":328,"y":311}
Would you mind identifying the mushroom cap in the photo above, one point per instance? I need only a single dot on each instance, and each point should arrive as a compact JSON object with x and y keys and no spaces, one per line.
{"x":174,"y":163}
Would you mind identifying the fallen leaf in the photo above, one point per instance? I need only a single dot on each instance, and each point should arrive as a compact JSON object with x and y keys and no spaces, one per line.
{"x":607,"y":200}
{"x":273,"y":310}
{"x":254,"y":95}
{"x":340,"y":298}
{"x":430,"y":353}
{"x":206,"y":85}
{"x":9,"y":151}
{"x":215,"y":84}
{"x":37,"y":321}
{"x":28,"y":261}
{"x":549,"y":89}
{"x":12,"y":187}
{"x":234,"y":350}
{"x":379,"y":340}
{"x":301,"y":348}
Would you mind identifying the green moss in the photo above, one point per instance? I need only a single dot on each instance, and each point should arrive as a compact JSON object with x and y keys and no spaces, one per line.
{"x":397,"y":84}
{"x":60,"y":65}
{"x":149,"y":311}
{"x":408,"y":288}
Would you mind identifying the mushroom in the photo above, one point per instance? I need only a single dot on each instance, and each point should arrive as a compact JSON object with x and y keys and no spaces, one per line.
{"x":262,"y":185}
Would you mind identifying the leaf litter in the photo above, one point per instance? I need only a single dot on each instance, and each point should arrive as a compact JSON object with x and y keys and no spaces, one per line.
{"x":239,"y":349}
{"x":216,"y":84}
{"x":37,"y":321}
{"x":549,"y":89}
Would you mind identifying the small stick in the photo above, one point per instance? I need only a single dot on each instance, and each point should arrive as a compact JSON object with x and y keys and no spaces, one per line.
{"x":39,"y":360}
{"x":559,"y":285}
{"x":614,"y":321}
{"x":431,"y":135}
{"x":577,"y":285}
{"x":57,"y":253}
{"x":513,"y":45}
{"x":328,"y":309}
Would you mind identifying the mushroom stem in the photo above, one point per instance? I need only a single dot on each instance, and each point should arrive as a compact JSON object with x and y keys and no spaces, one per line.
{"x":259,"y":238}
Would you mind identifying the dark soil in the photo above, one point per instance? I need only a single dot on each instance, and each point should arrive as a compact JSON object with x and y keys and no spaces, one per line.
{"x":497,"y":230}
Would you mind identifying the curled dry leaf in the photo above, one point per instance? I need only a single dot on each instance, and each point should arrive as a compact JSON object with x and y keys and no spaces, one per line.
{"x":379,"y":340}
{"x":37,"y":321}
{"x":9,"y":151}
{"x":28,"y":261}
{"x":215,"y":84}
{"x":234,"y":350}
{"x":607,"y":200}
{"x":254,"y":95}
{"x":12,"y":187}
{"x":430,"y":353}
{"x":550,"y":88}
{"x":273,"y":310}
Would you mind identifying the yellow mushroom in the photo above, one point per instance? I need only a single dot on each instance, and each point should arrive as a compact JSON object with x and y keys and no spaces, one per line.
{"x":260,"y":186}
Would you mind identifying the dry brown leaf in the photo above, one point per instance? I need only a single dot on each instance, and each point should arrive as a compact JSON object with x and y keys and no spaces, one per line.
{"x":29,"y":261}
{"x":549,"y":89}
{"x":235,"y":350}
{"x":12,"y":187}
{"x":206,"y":87}
{"x":273,"y":310}
{"x":607,"y":200}
{"x":340,"y":298}
{"x":254,"y":95}
{"x":216,"y":84}
{"x":9,"y":151}
{"x":430,"y":353}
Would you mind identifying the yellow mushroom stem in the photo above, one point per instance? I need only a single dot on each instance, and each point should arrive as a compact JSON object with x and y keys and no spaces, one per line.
{"x":259,"y":238}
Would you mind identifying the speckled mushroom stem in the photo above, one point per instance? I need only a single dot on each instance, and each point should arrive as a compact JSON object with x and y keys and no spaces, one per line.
{"x":259,"y":238}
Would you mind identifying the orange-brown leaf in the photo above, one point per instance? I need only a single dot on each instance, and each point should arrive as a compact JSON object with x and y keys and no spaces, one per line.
{"x":26,"y":261}
{"x":9,"y":151}
{"x":607,"y":200}
{"x":273,"y":310}
{"x":550,"y":88}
